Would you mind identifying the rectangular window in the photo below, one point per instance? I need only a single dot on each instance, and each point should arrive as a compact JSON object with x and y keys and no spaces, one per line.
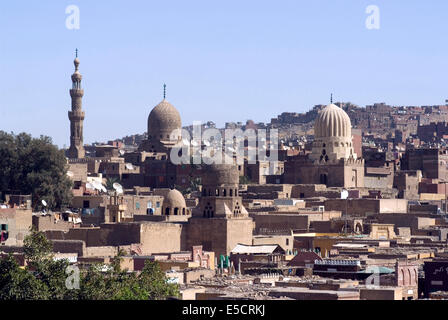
{"x":157,"y":204}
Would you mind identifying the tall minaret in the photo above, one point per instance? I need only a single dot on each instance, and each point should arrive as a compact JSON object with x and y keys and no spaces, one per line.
{"x":76,"y":116}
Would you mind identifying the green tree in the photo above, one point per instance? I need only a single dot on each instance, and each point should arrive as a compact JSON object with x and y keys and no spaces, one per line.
{"x":19,"y":284}
{"x":34,"y":166}
{"x":37,"y":248}
{"x":153,"y":279}
{"x":110,"y":183}
{"x":45,"y":278}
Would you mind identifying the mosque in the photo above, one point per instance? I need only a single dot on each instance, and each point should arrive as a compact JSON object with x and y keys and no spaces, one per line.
{"x":219,"y":222}
{"x":332,"y":160}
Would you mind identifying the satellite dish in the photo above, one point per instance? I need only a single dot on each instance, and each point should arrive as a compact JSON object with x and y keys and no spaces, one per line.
{"x":103,"y":188}
{"x":186,"y":142}
{"x":121,"y":152}
{"x":44,"y":203}
{"x":97,"y":185}
{"x":118,"y":187}
{"x":70,"y":174}
{"x":129,"y":166}
{"x":207,"y":143}
{"x":194,"y":143}
{"x":344,"y":194}
{"x":89,"y":186}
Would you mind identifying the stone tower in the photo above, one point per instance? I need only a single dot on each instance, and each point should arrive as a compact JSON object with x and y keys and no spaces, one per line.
{"x":76,"y":116}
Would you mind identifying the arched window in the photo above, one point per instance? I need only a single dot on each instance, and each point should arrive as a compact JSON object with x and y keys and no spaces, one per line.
{"x":176,"y":211}
{"x":204,"y":192}
{"x":224,"y":193}
{"x":231,"y":192}
{"x":217,"y":192}
{"x":167,"y":211}
{"x":183,"y":211}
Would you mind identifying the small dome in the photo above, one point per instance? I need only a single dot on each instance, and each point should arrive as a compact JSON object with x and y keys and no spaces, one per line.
{"x":76,"y":62}
{"x":162,"y":120}
{"x":174,"y":199}
{"x":218,"y":174}
{"x":332,"y":121}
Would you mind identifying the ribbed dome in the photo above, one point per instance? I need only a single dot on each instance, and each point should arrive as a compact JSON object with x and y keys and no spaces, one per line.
{"x":174,"y":199}
{"x":218,"y":174}
{"x":162,"y":120}
{"x":332,"y":121}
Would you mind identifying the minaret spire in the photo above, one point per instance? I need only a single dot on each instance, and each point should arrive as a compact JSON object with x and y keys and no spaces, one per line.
{"x":76,"y":115}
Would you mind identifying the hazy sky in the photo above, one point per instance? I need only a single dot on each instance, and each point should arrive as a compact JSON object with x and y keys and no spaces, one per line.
{"x":221,"y":60}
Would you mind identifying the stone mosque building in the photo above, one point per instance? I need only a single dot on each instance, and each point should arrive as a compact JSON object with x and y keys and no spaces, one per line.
{"x":332,"y":160}
{"x":220,"y":221}
{"x":163,"y":120}
{"x":153,"y":155}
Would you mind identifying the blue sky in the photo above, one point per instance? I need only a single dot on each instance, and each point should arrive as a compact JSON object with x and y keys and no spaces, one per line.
{"x":221,"y":60}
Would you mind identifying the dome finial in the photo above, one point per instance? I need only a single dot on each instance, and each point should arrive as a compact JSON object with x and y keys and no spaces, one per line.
{"x":164,"y":91}
{"x":331,"y":99}
{"x":76,"y":62}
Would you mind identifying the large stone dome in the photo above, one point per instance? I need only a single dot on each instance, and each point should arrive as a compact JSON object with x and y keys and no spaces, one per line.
{"x":332,"y":135}
{"x":174,"y":199}
{"x":219,"y":174}
{"x":332,"y":121}
{"x":162,"y":120}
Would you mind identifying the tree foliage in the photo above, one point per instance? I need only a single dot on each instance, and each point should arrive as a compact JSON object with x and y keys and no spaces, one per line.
{"x":34,"y":166}
{"x":45,"y":278}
